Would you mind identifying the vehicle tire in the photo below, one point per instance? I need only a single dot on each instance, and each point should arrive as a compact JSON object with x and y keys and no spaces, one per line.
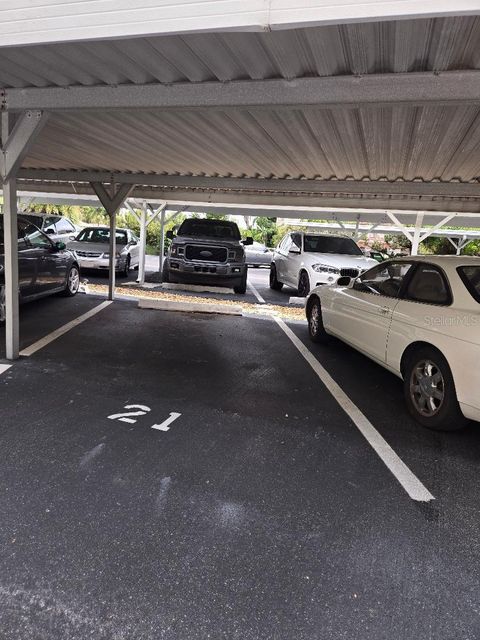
{"x":274,"y":283}
{"x":126,"y":269}
{"x":429,"y":391}
{"x":316,"y":329}
{"x":165,"y":272}
{"x":242,"y":287}
{"x":73,"y":282}
{"x":303,"y":284}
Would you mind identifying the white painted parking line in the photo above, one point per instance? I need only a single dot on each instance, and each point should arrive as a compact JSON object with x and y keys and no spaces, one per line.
{"x":36,"y":346}
{"x":255,"y":293}
{"x":4,"y":367}
{"x":165,"y":425}
{"x":409,"y":481}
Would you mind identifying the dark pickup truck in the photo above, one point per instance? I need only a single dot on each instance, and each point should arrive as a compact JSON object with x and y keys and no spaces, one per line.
{"x":208,"y":252}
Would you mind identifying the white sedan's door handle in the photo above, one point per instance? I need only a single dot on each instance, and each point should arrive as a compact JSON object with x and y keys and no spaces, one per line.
{"x":385,"y":311}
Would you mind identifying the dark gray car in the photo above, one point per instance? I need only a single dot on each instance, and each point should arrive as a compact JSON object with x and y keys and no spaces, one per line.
{"x":44,"y":267}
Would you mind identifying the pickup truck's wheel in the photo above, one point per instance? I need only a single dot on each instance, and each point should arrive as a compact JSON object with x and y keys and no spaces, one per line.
{"x":303,"y":285}
{"x":73,"y":282}
{"x":126,"y":269}
{"x":316,"y":329}
{"x":429,"y":391}
{"x":242,"y":287}
{"x":274,"y":283}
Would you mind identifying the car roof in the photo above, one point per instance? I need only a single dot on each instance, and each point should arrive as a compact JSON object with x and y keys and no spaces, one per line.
{"x":104,"y":228}
{"x":450,"y":261}
{"x":323,"y":235}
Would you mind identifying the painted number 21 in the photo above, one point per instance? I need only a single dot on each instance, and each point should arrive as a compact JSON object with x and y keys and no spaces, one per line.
{"x":142,"y":410}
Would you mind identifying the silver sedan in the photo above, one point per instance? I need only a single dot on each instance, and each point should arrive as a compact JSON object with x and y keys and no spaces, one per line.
{"x":258,"y":255}
{"x":92,"y":246}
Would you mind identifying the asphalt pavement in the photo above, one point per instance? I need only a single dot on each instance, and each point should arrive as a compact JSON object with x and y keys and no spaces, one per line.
{"x":174,"y":476}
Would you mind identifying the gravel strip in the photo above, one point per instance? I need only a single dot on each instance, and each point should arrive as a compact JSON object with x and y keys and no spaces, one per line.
{"x":289,"y":313}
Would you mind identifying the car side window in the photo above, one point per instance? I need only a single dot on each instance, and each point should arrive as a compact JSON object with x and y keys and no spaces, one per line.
{"x":64,"y":226}
{"x":386,"y":279}
{"x":22,"y":242}
{"x":297,"y":240}
{"x":36,"y":238}
{"x":287,"y":243}
{"x":428,"y":285}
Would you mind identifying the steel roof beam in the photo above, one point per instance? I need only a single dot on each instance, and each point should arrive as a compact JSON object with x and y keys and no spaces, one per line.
{"x":451,"y":87}
{"x":261,"y":185}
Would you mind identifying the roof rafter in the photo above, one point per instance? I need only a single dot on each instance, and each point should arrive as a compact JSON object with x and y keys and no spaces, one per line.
{"x":258,"y":185}
{"x":451,"y":87}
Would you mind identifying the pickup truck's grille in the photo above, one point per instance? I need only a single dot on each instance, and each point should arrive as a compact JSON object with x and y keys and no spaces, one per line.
{"x":350,"y":273}
{"x":206,"y":254}
{"x":88,"y":254}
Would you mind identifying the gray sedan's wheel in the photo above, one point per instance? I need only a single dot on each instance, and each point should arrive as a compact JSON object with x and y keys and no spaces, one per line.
{"x":73,"y":282}
{"x":316,"y":330}
{"x":429,"y":391}
{"x":303,"y":285}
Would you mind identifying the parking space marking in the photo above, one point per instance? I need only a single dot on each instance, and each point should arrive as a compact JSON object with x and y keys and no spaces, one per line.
{"x":165,"y":425}
{"x":409,"y":481}
{"x":43,"y":342}
{"x":4,"y":367}
{"x":255,"y":293}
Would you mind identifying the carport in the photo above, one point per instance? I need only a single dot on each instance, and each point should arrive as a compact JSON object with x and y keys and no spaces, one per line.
{"x":190,"y":476}
{"x":371,"y":110}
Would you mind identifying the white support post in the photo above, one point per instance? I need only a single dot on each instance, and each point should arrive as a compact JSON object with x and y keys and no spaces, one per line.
{"x":16,"y":140}
{"x":143,"y":243}
{"x":162,"y":243}
{"x":406,"y":232}
{"x":438,"y":226}
{"x":111,"y":204}
{"x":464,"y":243}
{"x":417,"y":233}
{"x":357,"y":227}
{"x":456,"y":245}
{"x":12,"y":331}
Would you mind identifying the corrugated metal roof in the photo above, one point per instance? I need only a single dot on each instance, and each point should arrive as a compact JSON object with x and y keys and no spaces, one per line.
{"x":435,"y":45}
{"x":390,"y":143}
{"x":428,"y":143}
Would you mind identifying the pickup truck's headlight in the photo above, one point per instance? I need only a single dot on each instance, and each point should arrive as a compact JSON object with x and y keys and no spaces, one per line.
{"x":173,"y":250}
{"x":325,"y":268}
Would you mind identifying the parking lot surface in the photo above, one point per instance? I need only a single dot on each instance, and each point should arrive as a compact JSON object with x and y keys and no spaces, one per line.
{"x":177,"y":476}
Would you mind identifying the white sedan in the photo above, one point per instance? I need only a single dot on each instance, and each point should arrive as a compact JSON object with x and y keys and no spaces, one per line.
{"x":418,"y":317}
{"x":92,"y":249}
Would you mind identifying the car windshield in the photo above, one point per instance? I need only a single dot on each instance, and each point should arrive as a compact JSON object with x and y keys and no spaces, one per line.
{"x":101,"y":235}
{"x":210,"y":228}
{"x":471,"y":278}
{"x":325,"y":244}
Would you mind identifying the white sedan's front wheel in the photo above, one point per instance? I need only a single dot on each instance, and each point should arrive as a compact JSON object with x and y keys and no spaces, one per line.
{"x":429,"y":391}
{"x":316,"y":330}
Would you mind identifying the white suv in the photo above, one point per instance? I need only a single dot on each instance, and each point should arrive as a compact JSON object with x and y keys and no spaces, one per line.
{"x":306,"y":260}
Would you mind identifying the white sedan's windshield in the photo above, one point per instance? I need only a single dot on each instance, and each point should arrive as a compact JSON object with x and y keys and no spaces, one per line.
{"x":101,"y":235}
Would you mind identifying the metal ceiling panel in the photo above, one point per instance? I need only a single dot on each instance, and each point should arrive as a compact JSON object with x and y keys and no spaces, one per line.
{"x":388,"y":143}
{"x":436,"y":45}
